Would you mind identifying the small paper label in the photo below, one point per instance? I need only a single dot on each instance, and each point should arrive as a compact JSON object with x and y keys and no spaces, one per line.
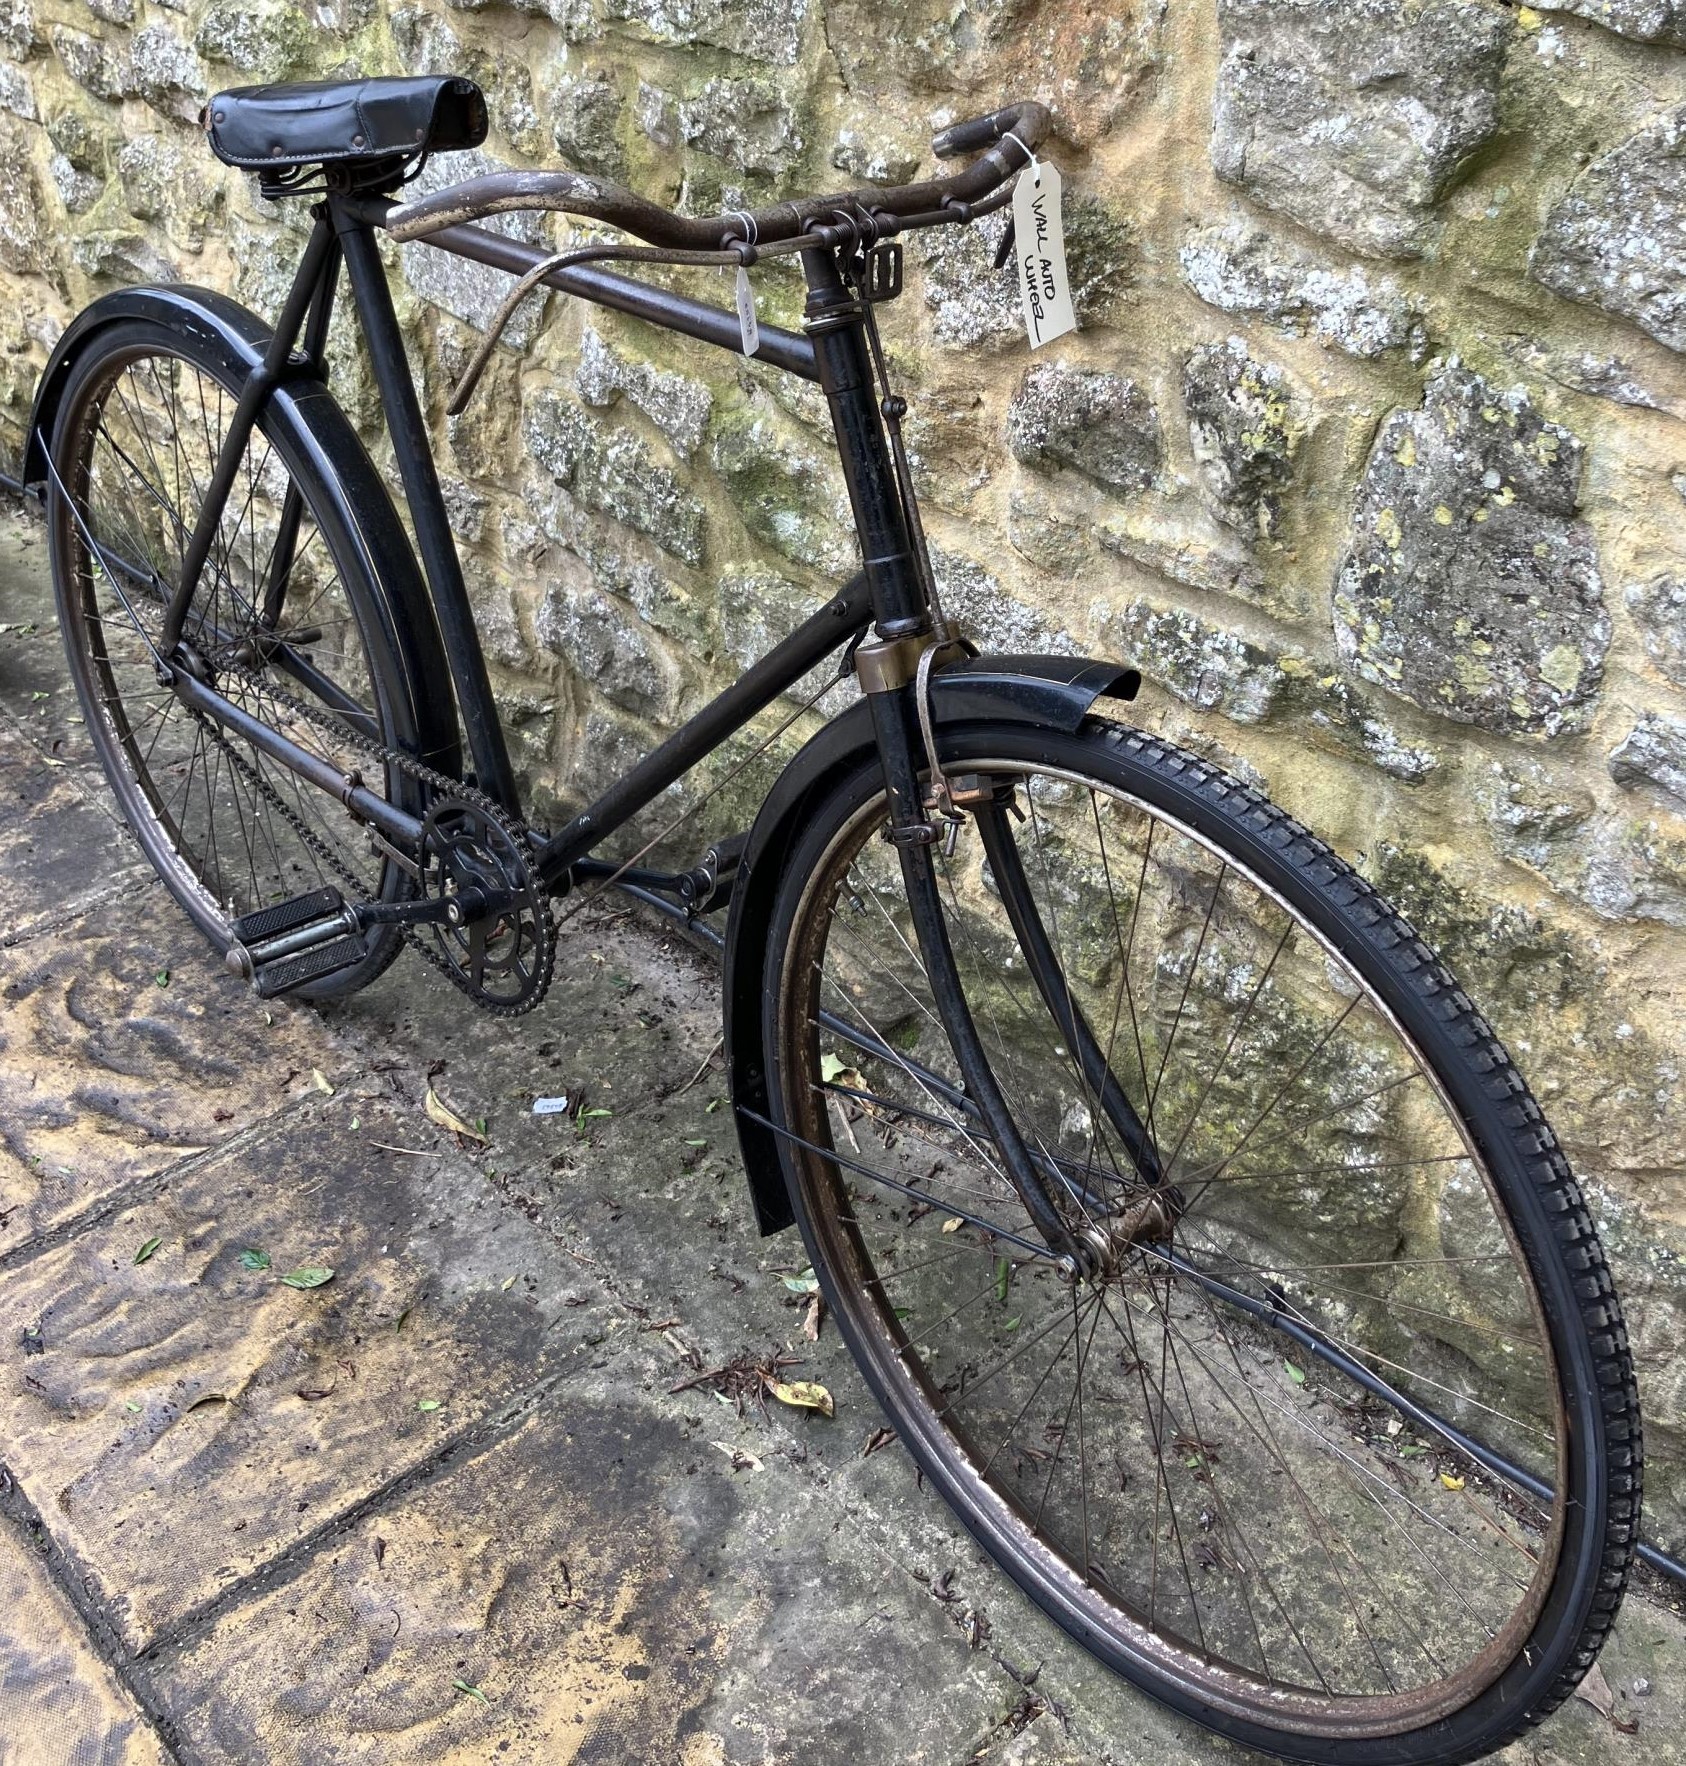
{"x":1039,"y":238}
{"x":747,"y":323}
{"x":550,"y":1106}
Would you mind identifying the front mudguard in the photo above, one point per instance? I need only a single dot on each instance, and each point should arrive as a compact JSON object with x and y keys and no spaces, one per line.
{"x":1049,"y":692}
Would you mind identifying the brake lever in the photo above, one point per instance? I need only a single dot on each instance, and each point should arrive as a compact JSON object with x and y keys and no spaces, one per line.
{"x":1004,"y":250}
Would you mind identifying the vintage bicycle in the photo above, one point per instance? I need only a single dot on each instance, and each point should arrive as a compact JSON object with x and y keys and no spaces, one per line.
{"x":1199,"y":1239}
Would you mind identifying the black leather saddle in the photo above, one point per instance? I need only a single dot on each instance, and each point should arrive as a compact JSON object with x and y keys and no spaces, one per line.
{"x":376,"y":122}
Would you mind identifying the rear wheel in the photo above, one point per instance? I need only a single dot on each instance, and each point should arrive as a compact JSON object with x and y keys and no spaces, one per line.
{"x":285,"y":622}
{"x":1336,"y":1448}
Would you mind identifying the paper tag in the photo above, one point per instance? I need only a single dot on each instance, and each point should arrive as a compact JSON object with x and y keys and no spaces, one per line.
{"x":747,"y":323}
{"x":550,"y":1106}
{"x":1039,"y":238}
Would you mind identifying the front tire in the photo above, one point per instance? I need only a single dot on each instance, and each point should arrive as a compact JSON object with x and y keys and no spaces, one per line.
{"x":1217,"y":1508}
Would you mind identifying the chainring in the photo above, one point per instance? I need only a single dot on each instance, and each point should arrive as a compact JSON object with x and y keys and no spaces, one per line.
{"x":504,"y":960}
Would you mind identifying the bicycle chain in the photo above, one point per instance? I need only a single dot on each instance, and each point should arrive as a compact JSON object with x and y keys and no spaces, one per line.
{"x":442,"y":784}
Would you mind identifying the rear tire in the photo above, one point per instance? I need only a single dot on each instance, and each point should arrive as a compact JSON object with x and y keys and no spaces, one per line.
{"x":141,"y":419}
{"x":880,"y":1152}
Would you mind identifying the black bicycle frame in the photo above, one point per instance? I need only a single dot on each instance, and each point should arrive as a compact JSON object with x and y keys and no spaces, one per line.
{"x":890,"y":592}
{"x":887,"y":592}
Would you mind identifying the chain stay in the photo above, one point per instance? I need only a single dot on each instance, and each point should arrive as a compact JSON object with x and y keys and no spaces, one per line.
{"x":443,"y":786}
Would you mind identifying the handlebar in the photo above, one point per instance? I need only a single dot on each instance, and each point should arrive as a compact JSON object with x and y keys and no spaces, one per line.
{"x":1010,"y":135}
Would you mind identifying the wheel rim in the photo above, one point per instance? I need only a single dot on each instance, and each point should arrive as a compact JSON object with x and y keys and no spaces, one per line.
{"x":230,"y":829}
{"x":1217,"y":1504}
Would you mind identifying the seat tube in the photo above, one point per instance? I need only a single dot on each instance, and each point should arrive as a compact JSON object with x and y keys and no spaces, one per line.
{"x":413,"y":453}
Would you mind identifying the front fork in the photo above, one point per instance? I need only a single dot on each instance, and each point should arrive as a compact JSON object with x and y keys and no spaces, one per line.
{"x":893,"y":711}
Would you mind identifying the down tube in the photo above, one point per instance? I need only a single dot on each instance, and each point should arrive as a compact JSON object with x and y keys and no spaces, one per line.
{"x":816,"y":638}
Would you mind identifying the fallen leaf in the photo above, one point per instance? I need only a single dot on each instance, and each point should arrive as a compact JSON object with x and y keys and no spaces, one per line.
{"x":473,"y":1692}
{"x":162,"y":977}
{"x":131,"y":1405}
{"x":811,"y":1318}
{"x":312,"y":1275}
{"x":953,"y":1224}
{"x":320,"y":1080}
{"x":742,"y":1459}
{"x":311,"y":1392}
{"x":1595,"y":1691}
{"x":830,"y":1067}
{"x":804,"y":1395}
{"x":442,"y":1115}
{"x":1297,"y":1375}
{"x":380,"y":1551}
{"x":1450,"y":1482}
{"x":805,"y":1283}
{"x":148,"y":1246}
{"x":427,"y":1404}
{"x":507,"y":1283}
{"x":251,"y":1258}
{"x":878,"y":1438}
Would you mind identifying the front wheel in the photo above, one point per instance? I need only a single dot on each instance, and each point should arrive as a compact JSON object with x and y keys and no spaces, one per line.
{"x":1335,"y":1446}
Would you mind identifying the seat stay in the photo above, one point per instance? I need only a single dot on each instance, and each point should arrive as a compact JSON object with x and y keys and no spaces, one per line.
{"x":320,"y":255}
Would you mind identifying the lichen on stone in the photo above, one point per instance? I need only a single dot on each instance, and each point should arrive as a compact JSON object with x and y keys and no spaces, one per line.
{"x":1354,"y":116}
{"x":1471,"y":587}
{"x":1204,"y":665}
{"x":612,"y":471}
{"x":677,"y":405}
{"x":1242,"y":269}
{"x":1617,"y":238}
{"x":1103,"y":425}
{"x":1246,"y":421}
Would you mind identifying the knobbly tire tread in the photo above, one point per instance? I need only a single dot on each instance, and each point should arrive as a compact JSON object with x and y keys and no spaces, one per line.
{"x":1391,"y":941}
{"x":1581,"y":1249}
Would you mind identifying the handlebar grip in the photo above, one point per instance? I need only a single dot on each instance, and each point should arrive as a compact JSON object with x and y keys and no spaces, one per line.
{"x":1027,"y":121}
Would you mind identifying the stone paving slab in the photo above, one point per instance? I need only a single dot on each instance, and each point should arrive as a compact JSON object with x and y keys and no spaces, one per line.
{"x":58,"y":1700}
{"x":58,"y":849}
{"x":555,"y":1285}
{"x":617,"y":1591}
{"x":124,"y":1048}
{"x":184,"y":1419}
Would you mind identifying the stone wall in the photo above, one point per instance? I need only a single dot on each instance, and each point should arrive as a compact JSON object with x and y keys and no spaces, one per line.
{"x":1368,"y":453}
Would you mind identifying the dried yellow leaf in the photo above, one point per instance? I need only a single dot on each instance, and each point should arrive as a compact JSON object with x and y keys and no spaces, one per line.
{"x":441,"y":1113}
{"x":953,"y":1224}
{"x":1450,"y":1482}
{"x":804,"y":1394}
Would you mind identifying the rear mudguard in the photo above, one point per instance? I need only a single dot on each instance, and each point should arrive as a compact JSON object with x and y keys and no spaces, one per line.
{"x":1051,"y":692}
{"x":333,"y":452}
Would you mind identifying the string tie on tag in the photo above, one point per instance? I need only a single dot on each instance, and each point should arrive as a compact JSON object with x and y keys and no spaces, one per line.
{"x":1035,"y":165}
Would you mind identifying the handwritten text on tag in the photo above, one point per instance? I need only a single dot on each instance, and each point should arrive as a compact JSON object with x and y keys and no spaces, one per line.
{"x":1039,"y":237}
{"x":747,"y":323}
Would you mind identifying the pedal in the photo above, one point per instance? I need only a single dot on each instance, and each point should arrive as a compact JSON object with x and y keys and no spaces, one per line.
{"x":286,"y":916}
{"x":285,"y":973}
{"x":278,"y":948}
